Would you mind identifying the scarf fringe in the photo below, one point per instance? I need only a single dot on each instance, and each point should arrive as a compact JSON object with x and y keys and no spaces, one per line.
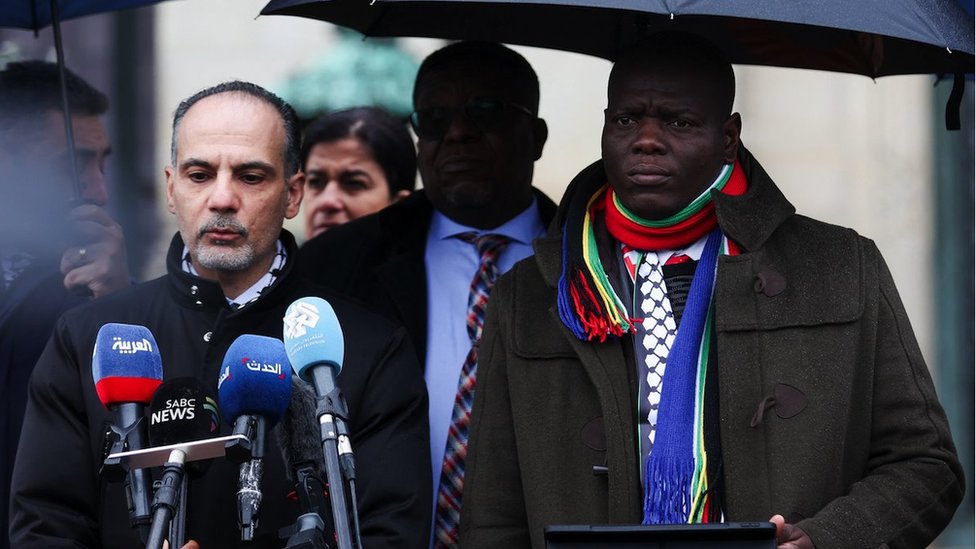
{"x":580,"y":308}
{"x":667,"y":483}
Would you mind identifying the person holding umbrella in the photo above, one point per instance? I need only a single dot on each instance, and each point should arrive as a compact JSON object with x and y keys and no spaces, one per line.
{"x":56,"y":252}
{"x":685,"y":348}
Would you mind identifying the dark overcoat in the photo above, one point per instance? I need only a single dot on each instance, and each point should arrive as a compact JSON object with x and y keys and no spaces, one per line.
{"x":29,"y":308}
{"x":828,"y":414}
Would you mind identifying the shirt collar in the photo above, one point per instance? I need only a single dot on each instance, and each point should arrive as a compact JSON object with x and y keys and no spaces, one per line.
{"x":522,"y":228}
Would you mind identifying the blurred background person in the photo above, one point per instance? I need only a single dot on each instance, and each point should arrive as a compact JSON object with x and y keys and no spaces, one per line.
{"x":357,"y":161}
{"x":58,"y":247}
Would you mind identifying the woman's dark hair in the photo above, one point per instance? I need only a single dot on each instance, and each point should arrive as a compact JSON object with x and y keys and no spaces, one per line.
{"x":383,"y":135}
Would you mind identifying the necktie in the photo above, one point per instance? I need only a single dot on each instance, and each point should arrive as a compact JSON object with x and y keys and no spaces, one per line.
{"x":452,"y":473}
{"x":656,"y":334}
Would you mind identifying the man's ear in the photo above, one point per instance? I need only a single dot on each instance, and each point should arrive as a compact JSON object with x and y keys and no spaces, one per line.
{"x":730,"y":136}
{"x":170,"y":176}
{"x":540,"y":132}
{"x":294,"y":191}
{"x":400,"y":195}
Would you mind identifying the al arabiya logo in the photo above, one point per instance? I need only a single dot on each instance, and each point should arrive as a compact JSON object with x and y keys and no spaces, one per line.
{"x":130,"y":347}
{"x":299,"y":317}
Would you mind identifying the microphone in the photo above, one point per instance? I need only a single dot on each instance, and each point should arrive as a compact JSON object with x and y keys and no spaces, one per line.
{"x":298,"y":432}
{"x":298,"y":440}
{"x":182,"y":410}
{"x":254,"y":389}
{"x":315,"y":347}
{"x":127,"y":370}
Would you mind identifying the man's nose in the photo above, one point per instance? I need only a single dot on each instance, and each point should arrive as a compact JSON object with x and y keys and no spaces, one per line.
{"x":223,"y":194}
{"x":649,"y":138}
{"x":461,"y":127}
{"x":94,"y":186}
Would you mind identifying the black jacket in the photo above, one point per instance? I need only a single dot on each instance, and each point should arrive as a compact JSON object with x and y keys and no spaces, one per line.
{"x":58,"y":498}
{"x":29,"y":308}
{"x":379,"y":259}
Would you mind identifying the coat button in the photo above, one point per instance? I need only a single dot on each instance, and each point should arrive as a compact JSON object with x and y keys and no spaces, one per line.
{"x":194,"y":290}
{"x":207,"y":336}
{"x":769,"y":282}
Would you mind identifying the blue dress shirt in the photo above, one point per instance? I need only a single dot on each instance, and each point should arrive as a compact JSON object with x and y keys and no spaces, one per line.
{"x":451,"y":265}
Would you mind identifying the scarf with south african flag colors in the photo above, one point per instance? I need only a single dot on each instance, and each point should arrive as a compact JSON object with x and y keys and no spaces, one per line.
{"x":676,"y":483}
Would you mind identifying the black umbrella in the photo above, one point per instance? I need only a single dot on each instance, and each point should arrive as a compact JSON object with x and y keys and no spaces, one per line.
{"x":869,"y":37}
{"x":36,"y":14}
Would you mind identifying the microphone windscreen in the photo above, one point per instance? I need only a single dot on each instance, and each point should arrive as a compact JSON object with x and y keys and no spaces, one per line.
{"x":298,"y":433}
{"x":255,"y":379}
{"x":182,"y":410}
{"x":313,"y":336}
{"x":126,"y":366}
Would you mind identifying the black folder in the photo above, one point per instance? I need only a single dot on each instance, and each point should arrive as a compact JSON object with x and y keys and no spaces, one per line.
{"x":729,"y":535}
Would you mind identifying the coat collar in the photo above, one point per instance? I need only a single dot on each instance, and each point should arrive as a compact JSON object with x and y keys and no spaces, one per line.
{"x":203,"y":294}
{"x":748,"y":219}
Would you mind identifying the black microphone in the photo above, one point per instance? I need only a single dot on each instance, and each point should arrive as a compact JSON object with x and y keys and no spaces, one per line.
{"x":182,"y":410}
{"x":254,"y":389}
{"x":301,"y":451}
{"x":127,"y":370}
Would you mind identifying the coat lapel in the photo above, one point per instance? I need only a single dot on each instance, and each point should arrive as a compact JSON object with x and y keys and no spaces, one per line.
{"x":404,"y":280}
{"x":402,"y":276}
{"x":607,"y":366}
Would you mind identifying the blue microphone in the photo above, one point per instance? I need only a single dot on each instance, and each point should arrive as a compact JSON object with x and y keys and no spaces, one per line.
{"x":254,"y":390}
{"x":313,"y":339}
{"x":315,"y":347}
{"x":127,"y":370}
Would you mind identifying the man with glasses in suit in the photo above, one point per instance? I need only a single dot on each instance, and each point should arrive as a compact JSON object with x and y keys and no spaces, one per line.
{"x":429,"y":261}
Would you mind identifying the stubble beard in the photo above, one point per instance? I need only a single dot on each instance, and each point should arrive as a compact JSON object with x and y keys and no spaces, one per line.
{"x":223,"y":257}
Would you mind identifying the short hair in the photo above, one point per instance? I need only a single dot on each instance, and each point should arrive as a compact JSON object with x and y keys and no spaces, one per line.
{"x":683,"y":49}
{"x":384,"y":136}
{"x":484,"y":54}
{"x":289,"y":119}
{"x":28,"y":88}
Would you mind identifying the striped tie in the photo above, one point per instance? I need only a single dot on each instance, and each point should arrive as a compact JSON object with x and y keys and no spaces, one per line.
{"x":452,"y":473}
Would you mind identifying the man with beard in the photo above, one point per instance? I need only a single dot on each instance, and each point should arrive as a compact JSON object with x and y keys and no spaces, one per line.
{"x":685,"y":348}
{"x":479,"y":135}
{"x":57,"y":250}
{"x":234,"y":179}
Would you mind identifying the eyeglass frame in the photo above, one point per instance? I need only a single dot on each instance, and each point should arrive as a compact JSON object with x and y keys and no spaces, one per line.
{"x":412,"y":118}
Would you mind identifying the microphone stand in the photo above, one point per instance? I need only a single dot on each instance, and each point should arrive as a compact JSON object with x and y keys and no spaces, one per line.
{"x":177,"y":526}
{"x":347,"y":463}
{"x":126,"y":432}
{"x":166,"y":500}
{"x":309,"y":529}
{"x":331,"y":408}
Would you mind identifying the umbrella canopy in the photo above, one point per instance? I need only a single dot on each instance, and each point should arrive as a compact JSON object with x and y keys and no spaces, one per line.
{"x":869,"y":37}
{"x":36,"y":14}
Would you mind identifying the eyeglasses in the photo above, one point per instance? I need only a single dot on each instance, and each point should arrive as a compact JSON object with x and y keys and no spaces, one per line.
{"x":489,"y":115}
